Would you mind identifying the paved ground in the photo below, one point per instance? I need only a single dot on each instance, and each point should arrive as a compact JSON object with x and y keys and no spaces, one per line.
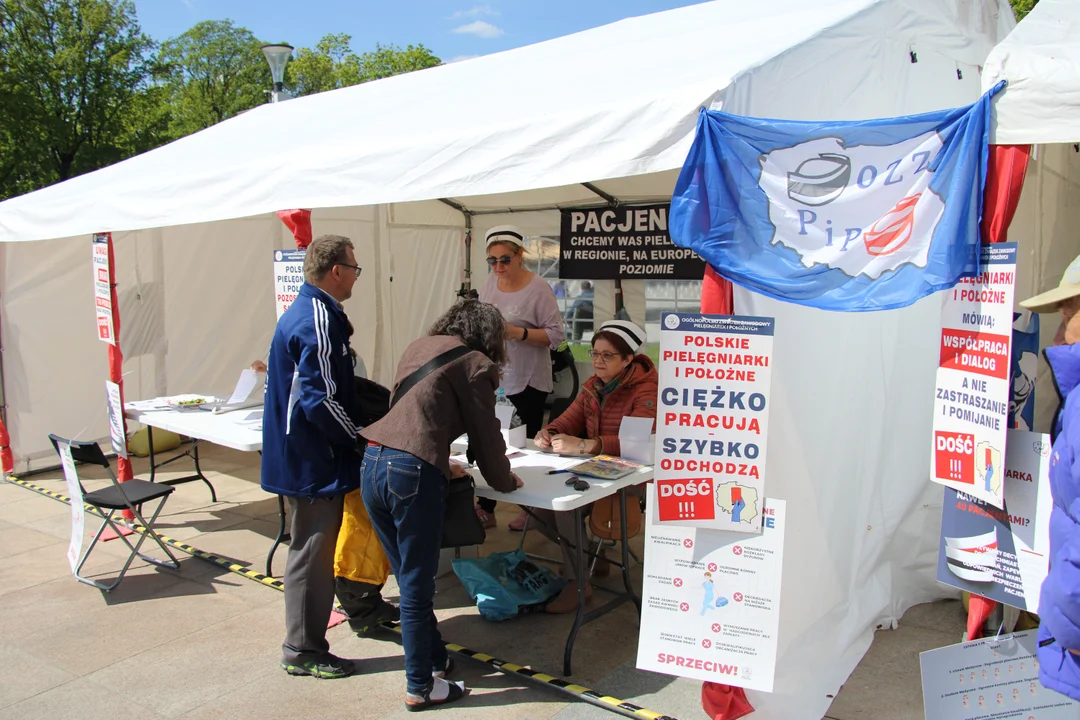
{"x":203,"y":643}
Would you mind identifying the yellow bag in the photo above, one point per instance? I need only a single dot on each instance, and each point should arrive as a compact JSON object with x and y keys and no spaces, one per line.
{"x":359,"y":556}
{"x":139,"y":445}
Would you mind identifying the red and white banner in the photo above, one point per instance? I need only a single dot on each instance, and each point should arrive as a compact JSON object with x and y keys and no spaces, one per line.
{"x":103,"y":289}
{"x":971,"y":400}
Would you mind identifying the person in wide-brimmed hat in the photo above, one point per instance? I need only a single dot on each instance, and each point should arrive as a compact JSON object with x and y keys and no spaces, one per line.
{"x":1059,"y":602}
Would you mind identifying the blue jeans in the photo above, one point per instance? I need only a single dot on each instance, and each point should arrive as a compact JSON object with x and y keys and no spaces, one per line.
{"x":406,"y":499}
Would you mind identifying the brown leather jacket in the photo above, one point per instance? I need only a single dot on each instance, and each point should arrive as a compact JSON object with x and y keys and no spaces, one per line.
{"x":455,"y":399}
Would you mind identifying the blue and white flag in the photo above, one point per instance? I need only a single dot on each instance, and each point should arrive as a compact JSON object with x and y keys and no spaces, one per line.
{"x":848,"y":216}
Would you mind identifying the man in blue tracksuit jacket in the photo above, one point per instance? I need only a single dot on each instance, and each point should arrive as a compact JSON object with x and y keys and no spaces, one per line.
{"x":1059,"y":600}
{"x":310,"y":446}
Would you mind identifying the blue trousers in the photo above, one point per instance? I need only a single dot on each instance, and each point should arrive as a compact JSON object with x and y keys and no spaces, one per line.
{"x":406,"y":499}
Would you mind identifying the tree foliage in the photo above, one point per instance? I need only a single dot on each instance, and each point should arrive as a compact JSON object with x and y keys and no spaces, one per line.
{"x":213,"y":71}
{"x":1023,"y":7}
{"x":332,"y":64}
{"x":71,"y":74}
{"x":81,"y":86}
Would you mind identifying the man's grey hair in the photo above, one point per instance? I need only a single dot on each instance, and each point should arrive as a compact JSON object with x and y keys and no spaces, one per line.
{"x":323,"y":254}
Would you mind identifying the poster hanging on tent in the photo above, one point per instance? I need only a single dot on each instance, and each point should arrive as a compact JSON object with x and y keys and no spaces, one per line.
{"x":710,"y":602}
{"x":971,"y":400}
{"x":712,"y":420}
{"x":288,"y":277}
{"x":103,"y":288}
{"x":627,"y":243}
{"x":1002,"y":555}
{"x":116,"y":419}
{"x":78,"y":510}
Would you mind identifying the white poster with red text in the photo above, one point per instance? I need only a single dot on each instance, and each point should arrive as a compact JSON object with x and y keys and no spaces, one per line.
{"x":103,"y":288}
{"x":710,"y":600}
{"x":288,"y":277}
{"x":712,"y":420}
{"x":971,"y":400}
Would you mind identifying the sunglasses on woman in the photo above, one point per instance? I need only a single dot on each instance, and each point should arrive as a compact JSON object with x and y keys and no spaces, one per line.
{"x":503,"y":260}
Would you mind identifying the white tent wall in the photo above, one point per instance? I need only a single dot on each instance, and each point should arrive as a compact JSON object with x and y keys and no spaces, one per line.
{"x":196,"y":307}
{"x":54,"y":366}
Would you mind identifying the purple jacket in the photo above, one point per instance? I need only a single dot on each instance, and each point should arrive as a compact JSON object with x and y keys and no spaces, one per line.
{"x":1059,"y":603}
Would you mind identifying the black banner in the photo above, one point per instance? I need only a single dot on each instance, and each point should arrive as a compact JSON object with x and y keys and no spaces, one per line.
{"x":628,"y":243}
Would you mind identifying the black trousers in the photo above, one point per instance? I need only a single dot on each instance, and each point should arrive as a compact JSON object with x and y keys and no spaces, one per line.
{"x":530,"y":408}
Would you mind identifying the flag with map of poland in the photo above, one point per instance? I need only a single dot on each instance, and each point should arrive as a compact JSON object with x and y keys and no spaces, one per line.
{"x":848,"y":216}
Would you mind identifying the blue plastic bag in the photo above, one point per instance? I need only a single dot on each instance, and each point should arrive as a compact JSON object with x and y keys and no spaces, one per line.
{"x":503,"y":585}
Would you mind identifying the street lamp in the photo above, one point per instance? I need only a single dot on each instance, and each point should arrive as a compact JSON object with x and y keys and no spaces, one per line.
{"x":278,"y":56}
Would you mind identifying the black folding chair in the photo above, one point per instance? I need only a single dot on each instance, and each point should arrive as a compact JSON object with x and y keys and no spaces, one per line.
{"x":119,"y":496}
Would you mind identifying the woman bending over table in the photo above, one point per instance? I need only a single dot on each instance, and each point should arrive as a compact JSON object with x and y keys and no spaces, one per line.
{"x":624,"y":385}
{"x":403,"y":477}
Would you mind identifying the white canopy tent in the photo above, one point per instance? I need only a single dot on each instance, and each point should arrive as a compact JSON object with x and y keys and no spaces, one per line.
{"x":512,"y":136}
{"x":1041,"y":61}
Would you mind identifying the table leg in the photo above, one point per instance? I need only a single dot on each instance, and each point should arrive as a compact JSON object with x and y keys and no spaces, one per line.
{"x":626,"y":554}
{"x":579,"y":571}
{"x":280,"y":536}
{"x":150,"y":440}
{"x":198,"y":470}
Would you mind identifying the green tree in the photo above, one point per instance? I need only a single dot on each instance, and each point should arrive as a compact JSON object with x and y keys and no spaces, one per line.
{"x":72,"y":73}
{"x":213,"y":71}
{"x":1023,"y":7}
{"x":332,"y":64}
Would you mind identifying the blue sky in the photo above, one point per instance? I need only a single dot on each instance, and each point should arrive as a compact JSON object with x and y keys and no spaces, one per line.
{"x":452,"y":29}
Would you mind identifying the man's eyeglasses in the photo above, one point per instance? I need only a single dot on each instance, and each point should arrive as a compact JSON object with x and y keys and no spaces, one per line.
{"x":503,"y":260}
{"x":355,"y":268}
{"x":606,"y":356}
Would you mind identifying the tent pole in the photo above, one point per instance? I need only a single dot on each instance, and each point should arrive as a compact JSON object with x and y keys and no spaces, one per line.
{"x":614,"y":202}
{"x":7,"y":462}
{"x":466,"y":281}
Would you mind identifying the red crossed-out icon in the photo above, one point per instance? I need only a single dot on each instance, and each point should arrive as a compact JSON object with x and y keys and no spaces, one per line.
{"x":737,"y":549}
{"x":685,"y":607}
{"x":706,"y":643}
{"x":688,"y":543}
{"x":677,"y":582}
{"x":738,"y":597}
{"x":716,"y":627}
{"x":712,"y":567}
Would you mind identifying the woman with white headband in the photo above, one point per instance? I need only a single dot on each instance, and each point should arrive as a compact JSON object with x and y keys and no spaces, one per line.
{"x":625,"y":385}
{"x":533,"y":328}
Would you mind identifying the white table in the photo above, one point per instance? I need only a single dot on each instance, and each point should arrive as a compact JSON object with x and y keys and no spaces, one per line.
{"x":236,"y":429}
{"x":550,"y":492}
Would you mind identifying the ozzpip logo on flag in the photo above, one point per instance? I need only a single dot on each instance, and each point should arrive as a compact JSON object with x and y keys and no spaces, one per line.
{"x":844,"y":216}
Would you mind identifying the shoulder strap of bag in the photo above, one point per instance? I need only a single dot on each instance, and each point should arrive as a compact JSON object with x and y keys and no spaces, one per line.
{"x":426,"y":369}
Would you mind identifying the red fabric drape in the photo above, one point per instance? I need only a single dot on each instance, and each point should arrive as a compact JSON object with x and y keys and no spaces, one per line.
{"x":716,"y":294}
{"x":6,"y":461}
{"x":720,"y":702}
{"x":299,"y":223}
{"x":1005,"y":172}
{"x":116,"y":365}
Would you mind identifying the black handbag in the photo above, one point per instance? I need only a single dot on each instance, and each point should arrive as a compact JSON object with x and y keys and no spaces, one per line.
{"x":461,"y":525}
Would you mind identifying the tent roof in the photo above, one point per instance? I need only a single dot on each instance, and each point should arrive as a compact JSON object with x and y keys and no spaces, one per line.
{"x":1041,"y":61}
{"x":619,"y":101}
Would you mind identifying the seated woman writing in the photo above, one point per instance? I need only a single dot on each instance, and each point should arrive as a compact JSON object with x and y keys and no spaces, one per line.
{"x":625,"y":384}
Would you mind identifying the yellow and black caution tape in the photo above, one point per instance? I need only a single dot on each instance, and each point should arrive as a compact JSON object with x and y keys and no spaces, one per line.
{"x":581,"y":692}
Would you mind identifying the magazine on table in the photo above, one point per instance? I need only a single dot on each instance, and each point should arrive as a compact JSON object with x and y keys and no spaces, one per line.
{"x":606,"y":467}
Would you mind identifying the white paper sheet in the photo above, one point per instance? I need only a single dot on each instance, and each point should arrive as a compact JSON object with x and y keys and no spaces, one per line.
{"x":635,"y":439}
{"x":247,"y":382}
{"x":78,"y":511}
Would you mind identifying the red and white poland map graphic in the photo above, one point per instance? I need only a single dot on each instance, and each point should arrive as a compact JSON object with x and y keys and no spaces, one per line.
{"x":971,"y":398}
